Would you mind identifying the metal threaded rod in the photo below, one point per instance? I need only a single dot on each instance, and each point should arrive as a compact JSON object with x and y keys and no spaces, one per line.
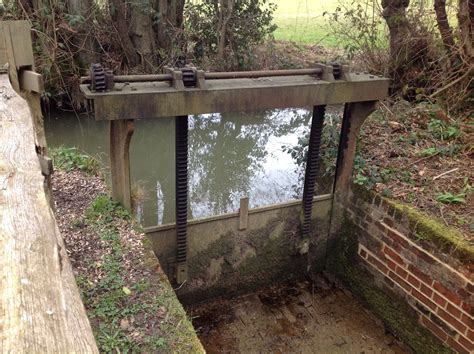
{"x":213,"y":76}
{"x":181,"y":187}
{"x":312,"y":166}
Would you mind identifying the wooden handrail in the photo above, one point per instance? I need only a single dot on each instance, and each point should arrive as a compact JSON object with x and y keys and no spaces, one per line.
{"x":40,"y":306}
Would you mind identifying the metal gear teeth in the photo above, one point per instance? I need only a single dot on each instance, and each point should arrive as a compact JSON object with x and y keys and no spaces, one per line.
{"x":98,"y":82}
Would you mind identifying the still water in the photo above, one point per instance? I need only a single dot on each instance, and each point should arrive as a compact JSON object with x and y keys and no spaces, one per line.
{"x":230,"y":156}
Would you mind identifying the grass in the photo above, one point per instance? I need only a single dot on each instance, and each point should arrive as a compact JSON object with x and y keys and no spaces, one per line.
{"x":69,"y":159}
{"x":129,"y":314}
{"x":303,"y":21}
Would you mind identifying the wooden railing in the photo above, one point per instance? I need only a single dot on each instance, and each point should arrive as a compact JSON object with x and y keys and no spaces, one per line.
{"x":40,"y":307}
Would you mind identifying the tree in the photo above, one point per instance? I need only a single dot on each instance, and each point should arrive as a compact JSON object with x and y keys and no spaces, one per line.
{"x":443,"y":25}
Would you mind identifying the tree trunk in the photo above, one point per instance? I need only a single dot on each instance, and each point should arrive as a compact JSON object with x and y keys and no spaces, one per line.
{"x":84,"y":41}
{"x":170,"y":24}
{"x":141,"y":26}
{"x":122,"y":28}
{"x":394,"y":13}
{"x":466,"y":28}
{"x":225,"y":13}
{"x":443,"y":25}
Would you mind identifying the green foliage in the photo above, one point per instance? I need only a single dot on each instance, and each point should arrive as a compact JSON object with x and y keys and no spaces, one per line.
{"x":362,"y":32}
{"x":450,"y":198}
{"x":248,"y":24}
{"x":69,"y":159}
{"x":442,"y":130}
{"x":103,"y":208}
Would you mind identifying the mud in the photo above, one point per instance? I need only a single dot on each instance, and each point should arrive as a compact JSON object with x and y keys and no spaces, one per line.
{"x":298,"y":317}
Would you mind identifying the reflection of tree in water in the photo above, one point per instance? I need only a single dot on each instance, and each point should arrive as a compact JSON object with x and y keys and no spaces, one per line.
{"x":227,"y":150}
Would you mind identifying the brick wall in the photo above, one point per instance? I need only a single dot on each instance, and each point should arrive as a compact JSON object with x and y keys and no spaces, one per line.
{"x":436,"y":284}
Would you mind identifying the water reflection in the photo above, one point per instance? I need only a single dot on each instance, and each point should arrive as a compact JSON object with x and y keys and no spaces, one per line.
{"x":230,"y":156}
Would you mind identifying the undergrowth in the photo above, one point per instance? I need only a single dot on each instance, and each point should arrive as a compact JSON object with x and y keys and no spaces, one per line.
{"x":70,"y":158}
{"x":128,"y":312}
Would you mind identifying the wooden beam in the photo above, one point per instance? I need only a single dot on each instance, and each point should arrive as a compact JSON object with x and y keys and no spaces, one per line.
{"x":243,"y":213}
{"x":31,"y":81}
{"x":159,"y":99}
{"x":354,"y":116}
{"x":121,"y":132}
{"x":41,"y":309}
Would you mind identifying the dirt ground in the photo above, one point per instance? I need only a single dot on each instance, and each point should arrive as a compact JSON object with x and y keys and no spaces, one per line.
{"x":293,"y":318}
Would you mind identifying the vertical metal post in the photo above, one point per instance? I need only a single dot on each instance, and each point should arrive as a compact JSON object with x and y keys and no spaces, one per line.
{"x":312,"y":166}
{"x":181,"y":197}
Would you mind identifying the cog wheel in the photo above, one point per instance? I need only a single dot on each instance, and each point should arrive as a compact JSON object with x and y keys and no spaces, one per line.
{"x":97,"y":74}
{"x":189,"y":77}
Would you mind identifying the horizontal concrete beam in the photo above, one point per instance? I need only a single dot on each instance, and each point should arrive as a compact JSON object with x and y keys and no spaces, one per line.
{"x":159,"y":99}
{"x":164,"y":227}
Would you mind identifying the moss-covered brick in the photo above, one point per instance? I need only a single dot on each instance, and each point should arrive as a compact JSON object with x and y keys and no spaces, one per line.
{"x":396,"y":314}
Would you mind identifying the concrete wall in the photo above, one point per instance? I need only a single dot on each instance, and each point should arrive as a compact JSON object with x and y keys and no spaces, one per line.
{"x":415,"y":273}
{"x":223,"y":260}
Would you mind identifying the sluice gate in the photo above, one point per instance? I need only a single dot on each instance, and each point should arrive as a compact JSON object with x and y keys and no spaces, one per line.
{"x":421,"y":287}
{"x":282,"y":241}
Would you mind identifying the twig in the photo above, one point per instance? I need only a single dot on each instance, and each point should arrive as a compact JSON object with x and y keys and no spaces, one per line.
{"x":422,"y":159}
{"x":442,"y":216}
{"x":445,"y":173}
{"x":468,"y":72}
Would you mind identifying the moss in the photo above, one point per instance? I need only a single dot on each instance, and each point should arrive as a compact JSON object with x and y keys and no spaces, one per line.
{"x":427,"y":228}
{"x":397,"y":316}
{"x":275,"y":260}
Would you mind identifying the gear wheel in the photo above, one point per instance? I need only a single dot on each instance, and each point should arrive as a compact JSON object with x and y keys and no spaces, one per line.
{"x":97,"y":73}
{"x":189,"y":77}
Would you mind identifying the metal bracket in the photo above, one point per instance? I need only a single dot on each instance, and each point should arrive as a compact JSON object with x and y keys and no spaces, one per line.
{"x":181,"y":272}
{"x":177,"y":75}
{"x":327,"y":72}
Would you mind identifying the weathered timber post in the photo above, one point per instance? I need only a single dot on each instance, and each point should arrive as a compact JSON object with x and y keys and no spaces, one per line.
{"x":121,"y":132}
{"x":354,"y":117}
{"x":16,"y":56}
{"x":41,"y":309}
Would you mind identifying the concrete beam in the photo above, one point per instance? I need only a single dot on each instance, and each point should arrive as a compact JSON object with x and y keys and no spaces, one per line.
{"x":159,"y":99}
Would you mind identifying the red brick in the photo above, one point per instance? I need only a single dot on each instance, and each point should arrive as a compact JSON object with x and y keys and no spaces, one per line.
{"x":401,"y":272}
{"x":453,"y":310}
{"x":426,"y":290}
{"x":423,"y":299}
{"x":451,"y":320}
{"x":470,"y":335}
{"x":454,"y":298}
{"x":393,"y":255}
{"x":397,"y":239}
{"x":413,"y":281}
{"x":388,"y":221}
{"x":378,"y":264}
{"x":423,"y":255}
{"x":399,"y":281}
{"x":466,"y":343}
{"x":391,"y":264}
{"x":467,"y":320}
{"x":468,"y":308}
{"x":457,"y":347}
{"x":420,"y":275}
{"x":439,"y":300}
{"x":433,"y":327}
{"x":363,"y":253}
{"x":470,"y":287}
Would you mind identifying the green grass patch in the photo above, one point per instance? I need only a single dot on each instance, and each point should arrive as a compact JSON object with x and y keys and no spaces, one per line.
{"x":70,"y":158}
{"x":303,"y":21}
